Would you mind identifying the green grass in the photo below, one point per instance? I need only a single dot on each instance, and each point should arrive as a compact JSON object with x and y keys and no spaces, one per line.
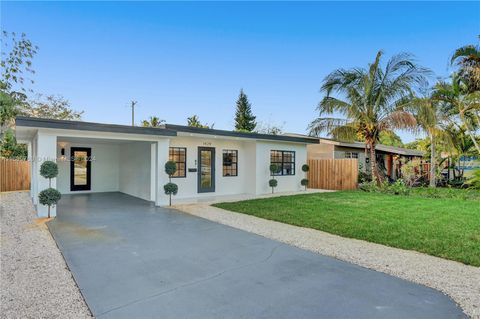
{"x":447,"y":227}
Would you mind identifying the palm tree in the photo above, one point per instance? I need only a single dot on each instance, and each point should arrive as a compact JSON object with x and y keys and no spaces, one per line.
{"x":467,"y":58}
{"x":431,"y":118}
{"x":153,"y":121}
{"x":369,"y":101}
{"x":460,"y":105}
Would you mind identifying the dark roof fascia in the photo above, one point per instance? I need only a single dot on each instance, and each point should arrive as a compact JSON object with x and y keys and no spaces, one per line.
{"x":257,"y":136}
{"x":90,"y":126}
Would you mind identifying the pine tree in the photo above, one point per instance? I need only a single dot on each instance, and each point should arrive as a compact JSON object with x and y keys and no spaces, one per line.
{"x":244,"y":118}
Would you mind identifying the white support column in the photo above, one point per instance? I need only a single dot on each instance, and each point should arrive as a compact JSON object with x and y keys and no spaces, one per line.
{"x":162,"y":148}
{"x":153,"y":172}
{"x":46,"y":151}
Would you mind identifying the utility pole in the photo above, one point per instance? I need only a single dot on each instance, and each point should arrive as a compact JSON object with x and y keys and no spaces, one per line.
{"x":133,"y":112}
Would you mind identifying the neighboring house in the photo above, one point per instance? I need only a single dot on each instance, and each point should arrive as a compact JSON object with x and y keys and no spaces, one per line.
{"x":389,"y":158}
{"x":130,"y":159}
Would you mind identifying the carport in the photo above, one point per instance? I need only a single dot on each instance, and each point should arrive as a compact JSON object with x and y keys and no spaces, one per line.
{"x":134,"y":260}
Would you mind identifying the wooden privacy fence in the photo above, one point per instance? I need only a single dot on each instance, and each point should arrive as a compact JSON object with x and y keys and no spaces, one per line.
{"x":335,"y":174}
{"x":14,"y":175}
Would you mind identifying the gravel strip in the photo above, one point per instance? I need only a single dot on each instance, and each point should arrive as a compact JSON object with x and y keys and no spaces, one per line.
{"x":35,"y":281}
{"x":459,"y":281}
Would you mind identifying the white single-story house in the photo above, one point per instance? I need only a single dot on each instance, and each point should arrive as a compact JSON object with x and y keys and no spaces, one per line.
{"x":94,"y":157}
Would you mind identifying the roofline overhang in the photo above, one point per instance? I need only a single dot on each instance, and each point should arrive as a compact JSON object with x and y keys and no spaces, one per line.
{"x":249,"y":135}
{"x":22,"y":121}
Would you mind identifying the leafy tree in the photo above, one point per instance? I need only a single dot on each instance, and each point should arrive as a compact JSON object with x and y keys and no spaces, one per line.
{"x":467,"y":58}
{"x":194,"y":121}
{"x":390,"y":139}
{"x":51,"y":107}
{"x":370,"y":102}
{"x":304,"y":181}
{"x":9,"y":147}
{"x":16,"y":64}
{"x":269,"y":128}
{"x":153,"y":121}
{"x":431,"y":118}
{"x":244,"y":118}
{"x":461,"y":106}
{"x":16,"y":60}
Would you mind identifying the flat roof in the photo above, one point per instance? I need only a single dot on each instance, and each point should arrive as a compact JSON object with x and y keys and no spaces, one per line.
{"x":354,"y":144}
{"x":164,"y":130}
{"x":258,"y":136}
{"x":90,"y":126}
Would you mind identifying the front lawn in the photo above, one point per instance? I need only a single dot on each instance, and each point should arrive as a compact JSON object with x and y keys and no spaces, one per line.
{"x":447,"y":227}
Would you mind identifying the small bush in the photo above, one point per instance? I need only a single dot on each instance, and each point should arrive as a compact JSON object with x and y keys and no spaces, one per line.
{"x":170,"y":189}
{"x":170,"y":168}
{"x":304,"y":182}
{"x":49,"y":197}
{"x":305,"y":168}
{"x":49,"y":169}
{"x":369,"y":186}
{"x":474,"y":181}
{"x":397,"y":188}
{"x":274,"y":169}
{"x":273,"y":183}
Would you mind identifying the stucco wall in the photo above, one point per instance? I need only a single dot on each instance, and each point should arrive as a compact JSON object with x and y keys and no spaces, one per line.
{"x":105,"y":167}
{"x":285,"y":183}
{"x":135,"y":169}
{"x":224,"y":185}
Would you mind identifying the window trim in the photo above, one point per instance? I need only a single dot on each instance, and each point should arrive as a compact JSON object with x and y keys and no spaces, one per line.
{"x":185,"y":163}
{"x":236,"y":163}
{"x":283,"y":162}
{"x":350,"y":155}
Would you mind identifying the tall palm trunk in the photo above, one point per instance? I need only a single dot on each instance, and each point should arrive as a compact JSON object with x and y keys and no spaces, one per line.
{"x":433,"y":182}
{"x":373,"y":163}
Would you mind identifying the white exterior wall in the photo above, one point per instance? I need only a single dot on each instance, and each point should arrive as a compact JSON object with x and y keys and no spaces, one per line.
{"x":135,"y":169}
{"x":224,"y":185}
{"x":287,"y":183}
{"x":104,"y":167}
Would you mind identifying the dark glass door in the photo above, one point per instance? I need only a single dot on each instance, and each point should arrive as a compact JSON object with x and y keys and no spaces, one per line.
{"x":206,"y":169}
{"x":80,"y":168}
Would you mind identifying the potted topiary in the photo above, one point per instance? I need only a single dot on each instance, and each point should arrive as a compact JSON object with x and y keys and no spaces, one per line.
{"x":170,"y":188}
{"x":50,"y":196}
{"x":274,"y":169}
{"x":305,"y":169}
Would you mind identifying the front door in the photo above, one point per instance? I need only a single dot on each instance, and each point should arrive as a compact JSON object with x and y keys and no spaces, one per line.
{"x":206,"y":169}
{"x":80,"y":168}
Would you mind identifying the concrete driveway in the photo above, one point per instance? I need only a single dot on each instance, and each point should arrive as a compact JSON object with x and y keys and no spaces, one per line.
{"x":133,"y":260}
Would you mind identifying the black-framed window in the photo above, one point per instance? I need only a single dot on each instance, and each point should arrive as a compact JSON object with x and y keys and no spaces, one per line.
{"x":351,"y":155}
{"x":285,"y":160}
{"x":230,"y":163}
{"x":179,"y":156}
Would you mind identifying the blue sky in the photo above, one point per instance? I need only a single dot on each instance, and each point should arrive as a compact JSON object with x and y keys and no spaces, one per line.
{"x":185,"y":58}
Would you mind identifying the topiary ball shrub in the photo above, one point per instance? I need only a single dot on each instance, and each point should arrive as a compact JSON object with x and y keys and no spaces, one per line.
{"x":273,"y":183}
{"x":49,"y":169}
{"x":274,"y":169}
{"x":49,"y":197}
{"x":170,"y":189}
{"x":305,"y":168}
{"x":304,"y":182}
{"x":170,"y":168}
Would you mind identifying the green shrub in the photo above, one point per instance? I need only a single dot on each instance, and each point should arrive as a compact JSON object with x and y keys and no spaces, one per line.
{"x":49,"y":169}
{"x":274,"y":169}
{"x":397,"y":188}
{"x":474,"y":181}
{"x":304,"y":182}
{"x":171,"y":189}
{"x":369,"y":186}
{"x":305,"y":168}
{"x":170,"y":168}
{"x":49,"y":197}
{"x":272,"y":183}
